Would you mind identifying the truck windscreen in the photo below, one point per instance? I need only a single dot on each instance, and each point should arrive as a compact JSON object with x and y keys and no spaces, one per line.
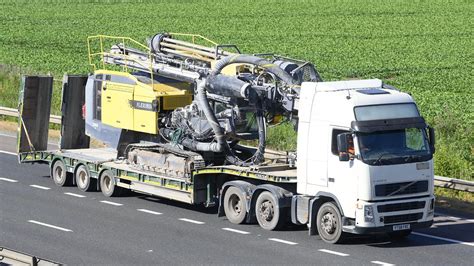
{"x":394,"y":146}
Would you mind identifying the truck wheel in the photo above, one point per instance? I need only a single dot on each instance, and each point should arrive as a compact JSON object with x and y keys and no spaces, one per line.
{"x":267,"y":211}
{"x":60,"y":175}
{"x":108,"y":185}
{"x":235,"y":205}
{"x":83,"y":180}
{"x":399,"y":235}
{"x":328,"y":222}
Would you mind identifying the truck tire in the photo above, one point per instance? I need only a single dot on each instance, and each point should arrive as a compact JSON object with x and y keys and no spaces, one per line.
{"x":84,"y":181}
{"x":108,"y":185}
{"x":267,"y":211}
{"x":235,"y":205}
{"x":60,"y":175}
{"x":329,"y":223}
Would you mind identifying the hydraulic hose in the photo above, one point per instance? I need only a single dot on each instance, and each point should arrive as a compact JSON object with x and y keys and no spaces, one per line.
{"x":219,"y":83}
{"x":203,"y":103}
{"x":222,"y":144}
{"x":258,"y":156}
{"x":192,"y":144}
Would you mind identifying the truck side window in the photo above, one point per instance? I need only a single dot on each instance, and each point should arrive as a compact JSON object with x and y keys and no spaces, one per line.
{"x":336,"y":132}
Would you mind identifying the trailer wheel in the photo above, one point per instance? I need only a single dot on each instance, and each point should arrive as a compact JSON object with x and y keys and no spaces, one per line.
{"x":108,"y":185}
{"x":235,"y":205}
{"x":83,"y":179}
{"x":60,"y":175}
{"x":267,"y":211}
{"x":329,"y":223}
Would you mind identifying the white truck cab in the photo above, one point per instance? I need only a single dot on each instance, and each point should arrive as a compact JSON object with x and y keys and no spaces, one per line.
{"x":363,"y":146}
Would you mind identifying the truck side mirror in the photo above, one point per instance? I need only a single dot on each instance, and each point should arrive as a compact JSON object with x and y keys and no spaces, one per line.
{"x":343,"y":146}
{"x":431,"y":133}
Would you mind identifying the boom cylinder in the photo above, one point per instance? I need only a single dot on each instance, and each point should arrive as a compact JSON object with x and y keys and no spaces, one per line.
{"x":164,"y":43}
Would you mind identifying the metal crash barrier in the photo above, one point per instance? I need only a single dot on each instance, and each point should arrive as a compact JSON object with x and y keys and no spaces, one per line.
{"x":13,"y":257}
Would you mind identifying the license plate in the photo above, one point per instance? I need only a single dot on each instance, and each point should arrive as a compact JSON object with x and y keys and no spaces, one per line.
{"x":400,"y":227}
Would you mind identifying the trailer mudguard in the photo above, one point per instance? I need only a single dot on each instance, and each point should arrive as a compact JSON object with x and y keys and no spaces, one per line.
{"x":34,"y":107}
{"x":246,"y":187}
{"x":282,"y":195}
{"x":73,"y":133}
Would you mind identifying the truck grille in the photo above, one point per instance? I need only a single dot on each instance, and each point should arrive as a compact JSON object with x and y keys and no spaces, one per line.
{"x":403,"y":188}
{"x":401,"y":206}
{"x":393,"y":219}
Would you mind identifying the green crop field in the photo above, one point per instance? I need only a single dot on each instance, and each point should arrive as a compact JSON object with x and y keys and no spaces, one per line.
{"x":421,"y":47}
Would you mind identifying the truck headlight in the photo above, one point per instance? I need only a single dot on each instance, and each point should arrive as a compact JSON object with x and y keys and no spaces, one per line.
{"x":368,"y":214}
{"x":431,"y":210}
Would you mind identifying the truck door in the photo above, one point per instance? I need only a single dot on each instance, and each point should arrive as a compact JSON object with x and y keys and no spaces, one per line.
{"x":317,"y":161}
{"x":117,"y":92}
{"x":342,"y":176}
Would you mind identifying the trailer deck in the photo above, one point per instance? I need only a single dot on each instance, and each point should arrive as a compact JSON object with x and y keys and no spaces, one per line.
{"x":196,"y":188}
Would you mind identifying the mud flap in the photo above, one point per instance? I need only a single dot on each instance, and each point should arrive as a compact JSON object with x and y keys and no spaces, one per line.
{"x":73,"y":134}
{"x":34,"y":107}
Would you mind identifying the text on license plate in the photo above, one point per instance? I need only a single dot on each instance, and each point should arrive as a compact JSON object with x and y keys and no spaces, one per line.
{"x":399,"y":227}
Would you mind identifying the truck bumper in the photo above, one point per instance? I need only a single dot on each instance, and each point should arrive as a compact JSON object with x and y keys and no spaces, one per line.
{"x":383,"y":229}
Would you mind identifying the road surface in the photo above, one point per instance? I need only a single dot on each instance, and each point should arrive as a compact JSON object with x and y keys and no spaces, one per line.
{"x":66,"y":225}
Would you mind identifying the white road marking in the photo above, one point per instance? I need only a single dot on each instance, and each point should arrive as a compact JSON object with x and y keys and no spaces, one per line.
{"x":453,"y":223}
{"x":445,"y":239}
{"x":442,"y":215}
{"x":454,"y":218}
{"x":9,"y":153}
{"x":283,"y":241}
{"x":148,"y":211}
{"x":111,"y":203}
{"x":382,"y":263}
{"x":461,"y":220}
{"x":191,"y":221}
{"x":8,"y":180}
{"x":50,"y":225}
{"x":333,"y":252}
{"x":236,"y":231}
{"x":14,"y":136}
{"x":74,"y":195}
{"x":40,"y":187}
{"x":5,"y":135}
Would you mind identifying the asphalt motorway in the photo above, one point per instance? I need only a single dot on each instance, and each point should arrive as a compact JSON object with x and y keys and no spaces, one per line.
{"x":66,"y":225}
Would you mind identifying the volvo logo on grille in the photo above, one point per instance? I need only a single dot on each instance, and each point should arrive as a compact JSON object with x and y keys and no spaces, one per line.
{"x":402,"y":188}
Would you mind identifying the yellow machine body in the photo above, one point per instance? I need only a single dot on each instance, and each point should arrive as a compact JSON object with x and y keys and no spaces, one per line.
{"x":233,"y":69}
{"x":133,"y":103}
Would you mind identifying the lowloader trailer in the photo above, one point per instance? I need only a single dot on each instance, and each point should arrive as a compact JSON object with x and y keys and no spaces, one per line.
{"x":363,"y":163}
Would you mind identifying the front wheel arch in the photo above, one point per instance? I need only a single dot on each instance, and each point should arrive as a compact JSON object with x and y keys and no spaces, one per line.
{"x":329,"y":223}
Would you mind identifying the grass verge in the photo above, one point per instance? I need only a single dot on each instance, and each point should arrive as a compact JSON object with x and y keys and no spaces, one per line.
{"x":461,"y":201}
